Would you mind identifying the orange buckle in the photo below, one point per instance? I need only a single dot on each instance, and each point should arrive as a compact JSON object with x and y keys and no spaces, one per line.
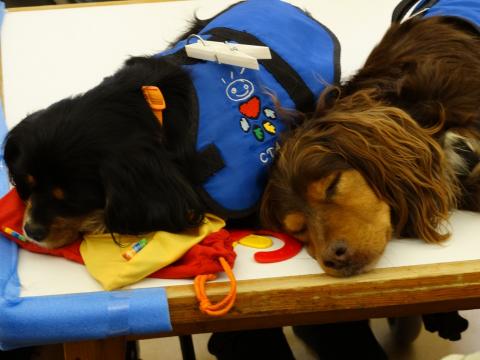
{"x":155,"y":100}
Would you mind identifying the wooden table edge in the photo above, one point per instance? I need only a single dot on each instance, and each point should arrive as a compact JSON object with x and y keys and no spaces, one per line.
{"x":320,"y":298}
{"x":83,"y":5}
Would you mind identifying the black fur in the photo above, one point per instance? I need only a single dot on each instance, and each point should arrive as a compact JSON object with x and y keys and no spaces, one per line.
{"x":107,"y":150}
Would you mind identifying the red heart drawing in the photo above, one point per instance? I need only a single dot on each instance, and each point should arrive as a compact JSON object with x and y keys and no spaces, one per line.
{"x":251,"y":108}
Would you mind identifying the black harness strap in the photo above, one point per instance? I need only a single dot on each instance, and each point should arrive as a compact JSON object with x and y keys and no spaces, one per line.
{"x":405,"y":5}
{"x":208,"y":162}
{"x":286,"y":76}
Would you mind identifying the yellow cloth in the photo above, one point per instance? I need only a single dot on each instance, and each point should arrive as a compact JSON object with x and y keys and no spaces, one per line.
{"x":103,"y":258}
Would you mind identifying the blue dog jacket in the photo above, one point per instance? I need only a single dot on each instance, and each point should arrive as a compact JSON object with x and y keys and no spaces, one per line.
{"x":237,"y":121}
{"x":468,"y":10}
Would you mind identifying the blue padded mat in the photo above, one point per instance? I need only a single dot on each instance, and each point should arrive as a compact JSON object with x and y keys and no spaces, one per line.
{"x":3,"y":130}
{"x":39,"y":320}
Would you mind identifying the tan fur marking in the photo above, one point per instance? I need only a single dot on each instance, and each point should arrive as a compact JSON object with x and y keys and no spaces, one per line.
{"x":64,"y":231}
{"x":58,"y":193}
{"x":294,"y":222}
{"x":31,"y":180}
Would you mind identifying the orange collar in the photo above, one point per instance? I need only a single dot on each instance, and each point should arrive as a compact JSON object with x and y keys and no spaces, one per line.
{"x":155,"y":100}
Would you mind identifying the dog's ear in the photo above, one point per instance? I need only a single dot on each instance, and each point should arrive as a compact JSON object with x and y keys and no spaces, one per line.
{"x":14,"y":157}
{"x":145,"y":192}
{"x":11,"y":150}
{"x":271,"y":213}
{"x":327,"y":100}
{"x":135,"y":60}
{"x":400,"y":160}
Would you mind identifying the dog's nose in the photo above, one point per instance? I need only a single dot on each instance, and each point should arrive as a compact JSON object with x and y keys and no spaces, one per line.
{"x":339,"y":249}
{"x":337,"y":255}
{"x":35,"y":232}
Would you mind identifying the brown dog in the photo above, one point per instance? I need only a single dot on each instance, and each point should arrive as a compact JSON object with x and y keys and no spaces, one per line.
{"x":391,"y":151}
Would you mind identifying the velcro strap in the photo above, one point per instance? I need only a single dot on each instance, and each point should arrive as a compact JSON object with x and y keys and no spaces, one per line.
{"x":208,"y":163}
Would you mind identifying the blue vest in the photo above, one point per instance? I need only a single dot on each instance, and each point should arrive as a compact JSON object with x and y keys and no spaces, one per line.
{"x":237,"y":121}
{"x":468,"y":10}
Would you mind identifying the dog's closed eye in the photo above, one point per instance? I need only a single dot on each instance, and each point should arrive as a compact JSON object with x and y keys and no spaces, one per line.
{"x":324,"y":189}
{"x":332,"y":187}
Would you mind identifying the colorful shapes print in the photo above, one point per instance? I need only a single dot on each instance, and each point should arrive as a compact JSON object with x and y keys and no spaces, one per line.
{"x":250,"y":108}
{"x":269,"y":113}
{"x":269,"y":127}
{"x":258,"y":133}
{"x":244,"y":124}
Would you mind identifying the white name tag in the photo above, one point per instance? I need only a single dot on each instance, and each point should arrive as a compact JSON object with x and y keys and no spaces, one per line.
{"x":244,"y":56}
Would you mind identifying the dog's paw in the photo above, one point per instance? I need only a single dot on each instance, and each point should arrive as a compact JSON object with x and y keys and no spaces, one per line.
{"x":460,"y":153}
{"x":449,"y":325}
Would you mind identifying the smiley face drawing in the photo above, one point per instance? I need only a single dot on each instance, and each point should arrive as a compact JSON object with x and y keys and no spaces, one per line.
{"x":239,"y":89}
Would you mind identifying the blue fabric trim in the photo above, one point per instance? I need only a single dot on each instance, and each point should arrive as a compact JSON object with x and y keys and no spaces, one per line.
{"x":468,"y":10}
{"x":26,"y":321}
{"x":38,"y":320}
{"x":4,"y":184}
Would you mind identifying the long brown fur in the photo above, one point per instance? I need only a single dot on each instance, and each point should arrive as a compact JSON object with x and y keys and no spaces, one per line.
{"x":397,"y":123}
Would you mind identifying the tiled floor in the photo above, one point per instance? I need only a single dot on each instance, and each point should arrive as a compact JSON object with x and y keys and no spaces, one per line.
{"x":428,"y":346}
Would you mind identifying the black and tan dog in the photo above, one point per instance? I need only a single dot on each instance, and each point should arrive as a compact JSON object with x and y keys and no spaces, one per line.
{"x":104,"y":161}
